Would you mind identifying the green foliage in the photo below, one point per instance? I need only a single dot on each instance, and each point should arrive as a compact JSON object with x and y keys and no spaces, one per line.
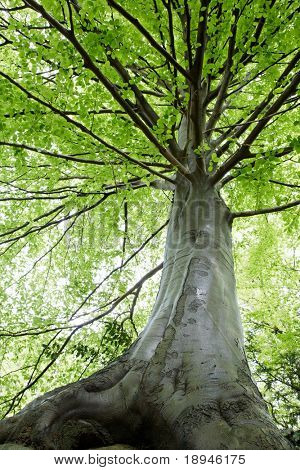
{"x":267,"y":279}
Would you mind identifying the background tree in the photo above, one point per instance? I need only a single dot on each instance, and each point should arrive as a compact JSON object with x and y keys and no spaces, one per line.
{"x":113,"y":113}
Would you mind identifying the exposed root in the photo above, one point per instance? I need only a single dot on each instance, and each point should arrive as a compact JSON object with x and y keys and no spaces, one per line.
{"x":92,"y":412}
{"x":80,"y":416}
{"x":146,"y":405}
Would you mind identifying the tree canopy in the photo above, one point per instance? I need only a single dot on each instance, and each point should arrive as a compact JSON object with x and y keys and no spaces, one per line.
{"x":93,"y":96}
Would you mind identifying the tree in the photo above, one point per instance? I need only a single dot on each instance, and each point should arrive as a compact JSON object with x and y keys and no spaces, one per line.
{"x":111,"y":108}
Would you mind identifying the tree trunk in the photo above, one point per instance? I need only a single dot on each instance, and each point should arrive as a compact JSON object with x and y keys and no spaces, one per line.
{"x":185,"y":383}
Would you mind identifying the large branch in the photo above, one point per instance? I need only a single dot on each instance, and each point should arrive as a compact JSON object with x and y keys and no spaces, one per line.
{"x":201,"y":41}
{"x":246,"y":57}
{"x":244,"y":148}
{"x":136,"y":23}
{"x":290,"y":89}
{"x":89,"y":64}
{"x":176,"y":102}
{"x":145,"y":110}
{"x":226,"y":78}
{"x":243,"y":126}
{"x":278,"y":153}
{"x":267,"y":210}
{"x":247,"y":81}
{"x":186,"y":27}
{"x":168,"y":6}
{"x":82,"y":127}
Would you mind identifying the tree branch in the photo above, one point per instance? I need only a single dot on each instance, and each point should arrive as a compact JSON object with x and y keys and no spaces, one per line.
{"x":275,"y":154}
{"x":117,"y":301}
{"x":51,"y":154}
{"x":22,"y":7}
{"x":121,"y":266}
{"x":56,"y":210}
{"x":135,"y":22}
{"x":244,"y":148}
{"x":52,"y":222}
{"x":242,"y":127}
{"x":186,"y":24}
{"x":196,"y":71}
{"x":226,"y":78}
{"x":267,"y":210}
{"x":84,"y":129}
{"x":288,"y":185}
{"x":89,"y":64}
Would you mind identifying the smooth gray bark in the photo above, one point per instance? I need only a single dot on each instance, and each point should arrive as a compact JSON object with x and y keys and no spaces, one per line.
{"x":185,"y":383}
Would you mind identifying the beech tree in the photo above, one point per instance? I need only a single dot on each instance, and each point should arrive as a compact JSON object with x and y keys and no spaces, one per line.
{"x":120,"y":121}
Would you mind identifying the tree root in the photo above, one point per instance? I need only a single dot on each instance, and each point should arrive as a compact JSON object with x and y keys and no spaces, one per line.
{"x":127,"y":403}
{"x":90,"y":413}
